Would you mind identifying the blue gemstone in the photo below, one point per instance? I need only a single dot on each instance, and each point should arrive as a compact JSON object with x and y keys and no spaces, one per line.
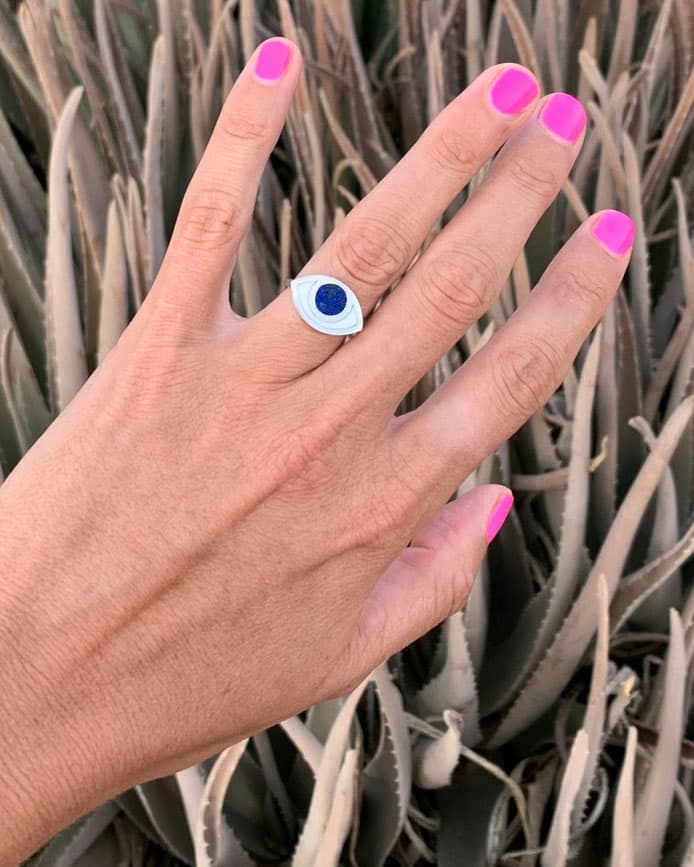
{"x":331,"y":299}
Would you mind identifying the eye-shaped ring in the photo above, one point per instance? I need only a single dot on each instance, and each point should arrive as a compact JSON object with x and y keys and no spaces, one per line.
{"x":327,"y":304}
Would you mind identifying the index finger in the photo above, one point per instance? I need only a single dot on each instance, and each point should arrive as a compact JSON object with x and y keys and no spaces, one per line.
{"x":218,"y":205}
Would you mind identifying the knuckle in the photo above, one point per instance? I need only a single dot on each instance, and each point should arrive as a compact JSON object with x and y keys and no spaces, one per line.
{"x":300,"y":449}
{"x":386,"y":524}
{"x":293,"y":456}
{"x":533,"y":179}
{"x":458,"y":288}
{"x":243,"y":127}
{"x":449,"y":598}
{"x":371,"y":251}
{"x":580,"y":286}
{"x":211,"y":219}
{"x":395,"y":506}
{"x":525,"y":374}
{"x":452,"y":153}
{"x":388,"y":519}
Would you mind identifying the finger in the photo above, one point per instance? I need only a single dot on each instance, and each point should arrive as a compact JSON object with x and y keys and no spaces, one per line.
{"x":218,"y":205}
{"x":511,"y":377}
{"x":432,"y":578}
{"x":457,"y":279}
{"x":379,"y":238}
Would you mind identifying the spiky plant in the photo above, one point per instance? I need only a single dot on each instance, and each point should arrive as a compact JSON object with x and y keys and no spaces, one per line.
{"x":548,"y":722}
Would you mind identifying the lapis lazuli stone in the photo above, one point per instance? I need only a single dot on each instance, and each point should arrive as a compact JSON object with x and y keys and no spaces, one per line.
{"x":331,"y":299}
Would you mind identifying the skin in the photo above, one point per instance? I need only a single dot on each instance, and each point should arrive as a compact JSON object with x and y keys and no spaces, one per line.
{"x":214,"y":534}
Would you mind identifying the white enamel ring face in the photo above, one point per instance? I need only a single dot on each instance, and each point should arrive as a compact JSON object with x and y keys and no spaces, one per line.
{"x":327,"y":304}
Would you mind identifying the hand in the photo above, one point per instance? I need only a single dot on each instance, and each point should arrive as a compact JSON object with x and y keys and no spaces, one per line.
{"x":219,"y":518}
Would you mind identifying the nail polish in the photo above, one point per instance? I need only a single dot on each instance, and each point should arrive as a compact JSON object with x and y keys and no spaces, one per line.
{"x":615,"y":231}
{"x":499,"y":514}
{"x":564,"y":117}
{"x":513,"y":91}
{"x":273,"y":59}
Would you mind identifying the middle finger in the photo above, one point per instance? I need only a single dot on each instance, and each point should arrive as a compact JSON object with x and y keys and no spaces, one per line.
{"x":460,"y":274}
{"x":376,"y":242}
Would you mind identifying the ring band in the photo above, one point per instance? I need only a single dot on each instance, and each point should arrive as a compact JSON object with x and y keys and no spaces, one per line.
{"x":327,"y":304}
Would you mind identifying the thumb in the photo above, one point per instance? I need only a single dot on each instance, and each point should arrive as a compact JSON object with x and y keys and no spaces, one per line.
{"x":432,"y":578}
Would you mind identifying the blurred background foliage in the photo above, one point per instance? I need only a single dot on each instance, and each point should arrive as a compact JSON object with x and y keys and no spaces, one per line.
{"x":551,"y":721}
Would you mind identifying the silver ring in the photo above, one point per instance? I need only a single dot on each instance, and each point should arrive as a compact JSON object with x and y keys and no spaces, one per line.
{"x":327,"y":304}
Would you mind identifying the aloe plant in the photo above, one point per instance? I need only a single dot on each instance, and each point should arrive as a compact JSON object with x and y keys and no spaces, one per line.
{"x":547,"y":723}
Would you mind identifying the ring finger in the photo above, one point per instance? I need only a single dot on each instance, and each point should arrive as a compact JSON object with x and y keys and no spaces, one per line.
{"x":460,"y":274}
{"x":500,"y":387}
{"x":380,"y":237}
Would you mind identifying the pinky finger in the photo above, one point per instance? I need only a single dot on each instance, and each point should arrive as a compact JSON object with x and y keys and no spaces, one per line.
{"x":433,"y":577}
{"x":503,"y":384}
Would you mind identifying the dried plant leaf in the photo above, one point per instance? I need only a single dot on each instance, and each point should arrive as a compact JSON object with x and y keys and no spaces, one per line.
{"x":436,"y":759}
{"x":387,"y":778}
{"x":108,"y":52}
{"x":454,"y":686}
{"x":637,"y":586}
{"x":68,"y":846}
{"x":78,"y":40}
{"x":18,"y":386}
{"x":679,"y":340}
{"x":305,"y":741}
{"x":152,"y":161}
{"x":623,"y":817}
{"x":191,"y":784}
{"x":169,"y":122}
{"x":215,"y":843}
{"x":14,"y":55}
{"x":604,"y":480}
{"x":66,"y":357}
{"x":21,"y":284}
{"x":326,"y":782}
{"x":164,"y":808}
{"x":538,"y":795}
{"x":551,"y":675}
{"x":86,"y":169}
{"x":624,"y":39}
{"x":639,"y":274}
{"x":521,"y":37}
{"x":22,"y":188}
{"x":113,"y":315}
{"x":341,"y":813}
{"x":594,"y":720}
{"x":609,"y":153}
{"x":556,"y":851}
{"x":678,"y":126}
{"x":653,"y":804}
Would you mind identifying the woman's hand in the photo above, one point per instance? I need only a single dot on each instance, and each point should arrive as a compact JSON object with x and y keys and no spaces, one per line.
{"x":212,"y":536}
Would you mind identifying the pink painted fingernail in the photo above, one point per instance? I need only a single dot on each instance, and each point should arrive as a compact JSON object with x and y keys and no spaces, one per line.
{"x":498,"y":516}
{"x":513,"y":90}
{"x":564,"y":117}
{"x":615,"y":231}
{"x":273,"y":59}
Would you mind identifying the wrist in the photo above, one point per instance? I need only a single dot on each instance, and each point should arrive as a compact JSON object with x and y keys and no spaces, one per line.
{"x":63,"y":738}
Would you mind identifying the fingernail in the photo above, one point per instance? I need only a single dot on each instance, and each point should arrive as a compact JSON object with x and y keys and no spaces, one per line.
{"x":615,"y":231}
{"x":273,"y":59}
{"x":564,"y":117}
{"x":513,"y":90}
{"x":498,"y":516}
